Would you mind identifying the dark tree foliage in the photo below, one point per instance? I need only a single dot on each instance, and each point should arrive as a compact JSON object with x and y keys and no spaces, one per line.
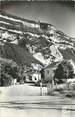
{"x":64,"y":71}
{"x":22,"y":43}
{"x":7,"y":73}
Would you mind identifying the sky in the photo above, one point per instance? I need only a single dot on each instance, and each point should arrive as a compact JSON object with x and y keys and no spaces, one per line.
{"x":59,"y":14}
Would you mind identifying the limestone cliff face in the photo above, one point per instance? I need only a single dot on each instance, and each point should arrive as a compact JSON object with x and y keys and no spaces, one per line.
{"x":42,"y":40}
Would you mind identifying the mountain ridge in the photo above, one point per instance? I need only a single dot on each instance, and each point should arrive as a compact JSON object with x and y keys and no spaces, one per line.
{"x":43,"y":40}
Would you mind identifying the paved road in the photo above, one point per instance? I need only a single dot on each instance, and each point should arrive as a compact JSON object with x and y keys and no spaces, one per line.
{"x":25,"y":101}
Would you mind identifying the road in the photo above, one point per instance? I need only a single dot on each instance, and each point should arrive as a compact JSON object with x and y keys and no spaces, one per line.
{"x":25,"y":101}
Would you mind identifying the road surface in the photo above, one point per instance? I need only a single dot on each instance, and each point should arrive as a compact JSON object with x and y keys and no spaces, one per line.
{"x":25,"y":101}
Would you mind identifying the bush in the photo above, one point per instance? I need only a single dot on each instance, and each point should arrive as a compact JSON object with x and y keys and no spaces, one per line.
{"x":70,"y":94}
{"x":59,"y":89}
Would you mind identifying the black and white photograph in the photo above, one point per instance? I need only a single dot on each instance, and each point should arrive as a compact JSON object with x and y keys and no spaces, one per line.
{"x":37,"y":58}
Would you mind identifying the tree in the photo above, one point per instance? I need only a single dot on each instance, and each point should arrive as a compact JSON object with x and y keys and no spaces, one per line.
{"x":22,"y":43}
{"x":8,"y":73}
{"x":63,"y":71}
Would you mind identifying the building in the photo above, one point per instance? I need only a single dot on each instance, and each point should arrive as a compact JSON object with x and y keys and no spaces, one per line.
{"x":33,"y":73}
{"x":36,"y":77}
